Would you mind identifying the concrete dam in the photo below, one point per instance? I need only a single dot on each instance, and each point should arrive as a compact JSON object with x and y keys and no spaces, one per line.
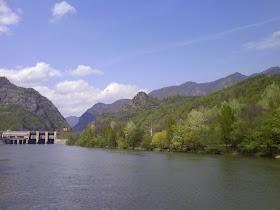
{"x":31,"y":137}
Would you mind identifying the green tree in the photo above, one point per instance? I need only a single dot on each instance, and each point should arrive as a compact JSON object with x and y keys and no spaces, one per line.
{"x":146,"y":141}
{"x":197,"y":128}
{"x":122,"y":143}
{"x":159,"y":140}
{"x":226,"y":119}
{"x":213,"y":140}
{"x":131,"y":134}
{"x":269,"y":134}
{"x":270,"y":97}
{"x":178,"y":141}
{"x":70,"y":141}
{"x":113,"y":138}
{"x":170,"y":122}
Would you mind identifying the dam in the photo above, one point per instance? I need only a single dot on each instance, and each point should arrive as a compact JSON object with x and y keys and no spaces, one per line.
{"x":32,"y":137}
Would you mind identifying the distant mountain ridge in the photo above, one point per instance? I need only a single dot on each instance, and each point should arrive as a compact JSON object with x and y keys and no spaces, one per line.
{"x":72,"y":120}
{"x":91,"y":114}
{"x":202,"y":89}
{"x":186,"y":89}
{"x":26,"y":109}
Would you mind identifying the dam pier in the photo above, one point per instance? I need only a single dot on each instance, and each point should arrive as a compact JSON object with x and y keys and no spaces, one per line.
{"x":32,"y":137}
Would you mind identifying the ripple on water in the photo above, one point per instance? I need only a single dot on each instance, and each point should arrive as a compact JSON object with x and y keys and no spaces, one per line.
{"x":80,"y":178}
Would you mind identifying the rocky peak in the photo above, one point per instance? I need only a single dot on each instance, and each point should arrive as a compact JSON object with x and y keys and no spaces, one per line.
{"x":140,"y":99}
{"x":3,"y":79}
{"x":4,"y":82}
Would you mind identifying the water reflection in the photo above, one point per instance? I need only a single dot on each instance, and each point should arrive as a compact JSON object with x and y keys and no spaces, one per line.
{"x":55,"y":176}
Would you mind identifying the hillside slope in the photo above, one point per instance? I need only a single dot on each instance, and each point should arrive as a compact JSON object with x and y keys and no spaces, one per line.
{"x":150,"y":110}
{"x":91,"y":114}
{"x":156,"y":111}
{"x":26,"y":109}
{"x":202,"y":89}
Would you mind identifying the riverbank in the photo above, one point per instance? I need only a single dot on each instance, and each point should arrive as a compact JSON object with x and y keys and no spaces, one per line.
{"x":228,"y":153}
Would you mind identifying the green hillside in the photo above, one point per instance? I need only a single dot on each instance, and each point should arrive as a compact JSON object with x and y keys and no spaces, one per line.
{"x":26,"y":109}
{"x":243,"y":118}
{"x":154,"y":111}
{"x":15,"y":117}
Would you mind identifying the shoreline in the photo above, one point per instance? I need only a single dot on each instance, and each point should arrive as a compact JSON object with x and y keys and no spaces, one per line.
{"x":233,"y":153}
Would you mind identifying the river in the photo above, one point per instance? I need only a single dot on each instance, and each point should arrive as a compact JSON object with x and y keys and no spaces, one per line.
{"x":65,"y":177}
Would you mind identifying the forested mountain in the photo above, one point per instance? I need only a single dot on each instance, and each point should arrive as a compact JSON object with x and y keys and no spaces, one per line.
{"x":202,"y":89}
{"x":151,"y":110}
{"x":186,"y":89}
{"x":91,"y":114}
{"x":26,"y":109}
{"x":242,"y":118}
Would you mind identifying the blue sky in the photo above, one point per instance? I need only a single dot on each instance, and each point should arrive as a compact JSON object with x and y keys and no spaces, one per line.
{"x":78,"y":53}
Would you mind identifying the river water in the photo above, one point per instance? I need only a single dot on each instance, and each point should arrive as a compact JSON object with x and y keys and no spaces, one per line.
{"x":65,"y":177}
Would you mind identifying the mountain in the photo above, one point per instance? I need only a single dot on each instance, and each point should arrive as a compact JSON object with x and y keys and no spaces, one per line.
{"x":202,"y":89}
{"x":186,"y":89}
{"x":140,"y":99}
{"x":248,"y":93}
{"x":243,"y":116}
{"x":72,"y":120}
{"x":26,"y":109}
{"x":91,"y":114}
{"x":270,"y":71}
{"x":145,"y":109}
{"x":198,"y":89}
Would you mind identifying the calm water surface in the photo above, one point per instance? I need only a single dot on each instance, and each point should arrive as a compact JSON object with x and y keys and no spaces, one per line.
{"x":64,"y":177}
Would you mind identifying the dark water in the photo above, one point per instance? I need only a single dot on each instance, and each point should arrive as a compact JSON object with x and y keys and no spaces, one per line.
{"x":64,"y":177}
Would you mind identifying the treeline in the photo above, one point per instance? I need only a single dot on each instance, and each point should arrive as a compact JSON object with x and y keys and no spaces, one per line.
{"x":241,"y":119}
{"x":15,"y":117}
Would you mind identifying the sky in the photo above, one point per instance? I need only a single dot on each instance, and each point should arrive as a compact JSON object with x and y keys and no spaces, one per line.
{"x":78,"y":53}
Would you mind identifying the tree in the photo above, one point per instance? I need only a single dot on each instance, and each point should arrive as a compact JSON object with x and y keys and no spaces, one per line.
{"x":130,"y":134}
{"x":180,"y":131}
{"x":146,"y":141}
{"x":90,"y":131}
{"x":113,"y":138}
{"x":226,"y":119}
{"x":170,"y":122}
{"x":87,"y":137}
{"x":269,"y":134}
{"x":197,"y":128}
{"x":122,"y":144}
{"x":160,"y":140}
{"x":138,"y":136}
{"x":213,"y":140}
{"x":271,"y":97}
{"x":238,"y":133}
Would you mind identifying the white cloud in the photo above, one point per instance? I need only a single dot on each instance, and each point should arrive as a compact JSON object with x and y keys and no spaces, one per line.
{"x":30,"y":76}
{"x":82,"y":70}
{"x":3,"y":29}
{"x":75,"y":97}
{"x":272,"y":41}
{"x":71,"y":97}
{"x":7,"y":17}
{"x":62,"y":9}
